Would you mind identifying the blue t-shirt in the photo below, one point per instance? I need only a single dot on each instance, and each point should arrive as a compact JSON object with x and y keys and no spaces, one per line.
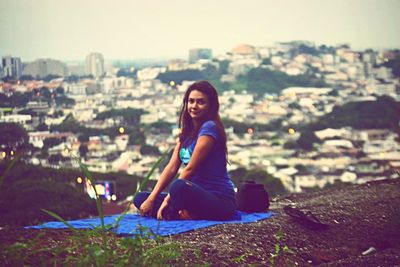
{"x":212,"y":175}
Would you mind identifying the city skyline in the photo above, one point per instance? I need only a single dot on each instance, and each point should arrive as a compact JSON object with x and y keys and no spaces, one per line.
{"x":70,"y":30}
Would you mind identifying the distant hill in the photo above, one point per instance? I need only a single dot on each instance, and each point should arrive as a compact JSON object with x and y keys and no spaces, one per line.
{"x":384,"y":113}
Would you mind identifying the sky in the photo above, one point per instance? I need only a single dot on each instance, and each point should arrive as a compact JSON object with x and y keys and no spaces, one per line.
{"x":166,"y":29}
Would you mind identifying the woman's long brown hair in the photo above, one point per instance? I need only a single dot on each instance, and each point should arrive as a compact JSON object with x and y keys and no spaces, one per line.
{"x":188,"y":130}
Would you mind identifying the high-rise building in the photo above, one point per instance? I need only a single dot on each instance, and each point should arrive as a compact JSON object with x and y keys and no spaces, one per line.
{"x":95,"y":64}
{"x":199,"y":53}
{"x":11,"y":67}
{"x":41,"y":68}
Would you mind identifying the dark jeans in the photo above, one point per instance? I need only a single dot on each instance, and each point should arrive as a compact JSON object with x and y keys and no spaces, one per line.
{"x":200,"y":203}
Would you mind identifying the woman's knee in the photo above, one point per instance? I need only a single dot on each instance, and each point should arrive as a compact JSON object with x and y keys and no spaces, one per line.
{"x":140,"y":198}
{"x":179,"y":186}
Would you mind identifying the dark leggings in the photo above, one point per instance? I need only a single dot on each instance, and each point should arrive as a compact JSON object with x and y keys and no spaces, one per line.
{"x":200,"y":203}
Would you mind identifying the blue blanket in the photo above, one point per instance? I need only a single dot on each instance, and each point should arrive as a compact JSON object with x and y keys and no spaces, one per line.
{"x":131,"y":223}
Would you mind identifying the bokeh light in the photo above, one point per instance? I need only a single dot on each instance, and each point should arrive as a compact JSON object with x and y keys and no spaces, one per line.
{"x":121,"y":130}
{"x":172,"y":83}
{"x":79,"y":180}
{"x":291,"y":131}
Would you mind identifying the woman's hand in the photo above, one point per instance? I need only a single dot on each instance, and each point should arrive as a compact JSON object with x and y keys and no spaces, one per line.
{"x":163,"y":206}
{"x":146,"y":207}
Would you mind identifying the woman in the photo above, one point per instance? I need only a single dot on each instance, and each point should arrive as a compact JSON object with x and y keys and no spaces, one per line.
{"x":204,"y":189}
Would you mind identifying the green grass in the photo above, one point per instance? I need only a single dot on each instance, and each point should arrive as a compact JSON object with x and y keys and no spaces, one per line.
{"x":94,"y":247}
{"x":279,"y":257}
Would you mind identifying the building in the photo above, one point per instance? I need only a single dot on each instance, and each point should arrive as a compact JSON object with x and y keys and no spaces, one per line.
{"x":44,"y":67}
{"x":95,"y":64}
{"x":11,"y":67}
{"x":199,"y":53}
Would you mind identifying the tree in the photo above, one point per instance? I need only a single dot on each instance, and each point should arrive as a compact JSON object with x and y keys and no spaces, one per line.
{"x":83,"y":150}
{"x":136,"y":137}
{"x":45,"y":92}
{"x":28,"y":112}
{"x":55,"y":159}
{"x":15,"y":100}
{"x":26,"y":78}
{"x":130,"y":115}
{"x":42,"y":127}
{"x":394,"y":64}
{"x":307,"y":139}
{"x":179,"y":76}
{"x":13,"y":137}
{"x":149,"y":150}
{"x":50,"y":77}
{"x":64,"y":101}
{"x":60,"y":90}
{"x":50,"y":142}
{"x":273,"y":185}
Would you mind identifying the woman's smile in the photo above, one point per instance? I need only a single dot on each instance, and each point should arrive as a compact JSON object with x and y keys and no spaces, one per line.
{"x":198,"y":104}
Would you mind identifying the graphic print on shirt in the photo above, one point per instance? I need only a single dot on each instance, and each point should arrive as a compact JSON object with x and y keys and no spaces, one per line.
{"x":185,"y":154}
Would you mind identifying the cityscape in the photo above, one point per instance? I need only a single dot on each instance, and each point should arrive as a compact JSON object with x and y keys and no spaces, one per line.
{"x":268,"y":126}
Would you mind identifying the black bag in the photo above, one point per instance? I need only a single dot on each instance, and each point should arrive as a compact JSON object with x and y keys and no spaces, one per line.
{"x":252,"y":197}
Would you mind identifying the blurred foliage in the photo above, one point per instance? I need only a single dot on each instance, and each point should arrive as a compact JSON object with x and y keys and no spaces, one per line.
{"x":273,"y":185}
{"x":307,"y":139}
{"x":64,"y":101}
{"x":50,"y":142}
{"x":127,"y":72}
{"x":261,"y":81}
{"x":15,"y":100}
{"x":149,"y":150}
{"x":181,"y":75}
{"x":242,"y":127}
{"x":131,"y":116}
{"x":13,"y":137}
{"x":384,"y":113}
{"x":394,"y":64}
{"x":27,"y":189}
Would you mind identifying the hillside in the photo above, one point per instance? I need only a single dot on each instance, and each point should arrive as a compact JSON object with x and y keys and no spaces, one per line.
{"x":359,"y":217}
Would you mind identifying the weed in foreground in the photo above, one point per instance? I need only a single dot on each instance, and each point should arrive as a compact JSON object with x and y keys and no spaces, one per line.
{"x":95,"y":247}
{"x":279,"y":257}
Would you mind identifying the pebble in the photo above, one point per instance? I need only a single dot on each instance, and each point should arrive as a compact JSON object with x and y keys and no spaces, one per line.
{"x":369,"y":251}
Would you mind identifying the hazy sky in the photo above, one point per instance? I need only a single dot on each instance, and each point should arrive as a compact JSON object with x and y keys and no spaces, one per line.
{"x":132,"y":29}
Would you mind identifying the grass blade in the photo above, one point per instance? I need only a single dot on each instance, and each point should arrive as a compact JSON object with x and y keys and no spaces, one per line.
{"x":9,"y":167}
{"x":56,"y":216}
{"x":141,"y":186}
{"x":88,"y":175}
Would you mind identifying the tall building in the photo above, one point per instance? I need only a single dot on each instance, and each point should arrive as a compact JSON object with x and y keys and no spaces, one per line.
{"x":95,"y":64}
{"x":11,"y":67}
{"x":199,"y":53}
{"x":41,"y":68}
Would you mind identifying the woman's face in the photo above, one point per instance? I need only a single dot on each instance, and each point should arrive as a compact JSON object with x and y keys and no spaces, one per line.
{"x":198,"y":105}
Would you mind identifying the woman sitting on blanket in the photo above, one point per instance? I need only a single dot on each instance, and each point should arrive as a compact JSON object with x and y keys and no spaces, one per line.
{"x":204,"y":190}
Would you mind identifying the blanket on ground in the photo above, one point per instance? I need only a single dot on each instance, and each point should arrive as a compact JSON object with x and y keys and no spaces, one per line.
{"x":132,"y":224}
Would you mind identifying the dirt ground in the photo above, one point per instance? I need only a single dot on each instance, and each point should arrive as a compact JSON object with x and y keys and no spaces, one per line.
{"x":360,"y":218}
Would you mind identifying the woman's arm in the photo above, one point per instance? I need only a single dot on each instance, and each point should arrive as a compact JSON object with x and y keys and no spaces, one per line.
{"x":166,"y":176}
{"x":203,"y":147}
{"x":168,"y":173}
